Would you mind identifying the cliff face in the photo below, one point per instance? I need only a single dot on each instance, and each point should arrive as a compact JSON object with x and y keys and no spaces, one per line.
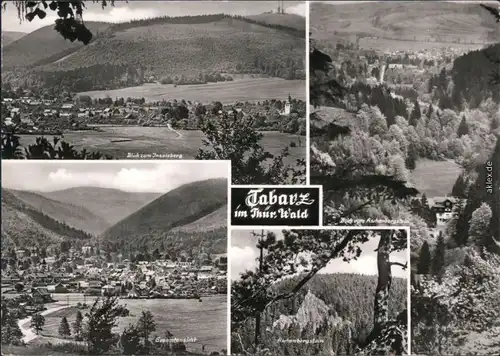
{"x":315,"y":316}
{"x":313,"y":313}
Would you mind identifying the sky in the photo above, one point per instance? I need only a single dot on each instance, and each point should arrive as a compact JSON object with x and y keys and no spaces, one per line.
{"x":126,"y":11}
{"x":135,"y":176}
{"x":244,"y":253}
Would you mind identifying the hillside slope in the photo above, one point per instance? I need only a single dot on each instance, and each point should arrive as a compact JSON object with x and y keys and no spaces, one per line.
{"x":24,"y":226}
{"x":72,"y":215}
{"x":212,"y":221}
{"x":43,"y":44}
{"x":186,"y":49}
{"x":422,"y":21}
{"x":111,"y":205}
{"x":176,"y":49}
{"x":11,"y":36}
{"x":182,"y":206}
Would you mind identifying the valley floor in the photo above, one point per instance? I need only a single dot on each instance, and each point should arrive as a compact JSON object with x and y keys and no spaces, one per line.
{"x":247,"y":89}
{"x":181,"y":144}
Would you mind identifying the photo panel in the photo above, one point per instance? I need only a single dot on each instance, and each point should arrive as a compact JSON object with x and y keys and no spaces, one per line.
{"x":404,"y":130}
{"x":405,"y":114}
{"x":141,"y":245}
{"x":320,"y":291}
{"x":159,"y":80}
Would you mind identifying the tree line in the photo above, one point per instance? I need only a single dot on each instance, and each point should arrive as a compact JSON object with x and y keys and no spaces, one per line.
{"x":200,"y":19}
{"x":44,"y":220}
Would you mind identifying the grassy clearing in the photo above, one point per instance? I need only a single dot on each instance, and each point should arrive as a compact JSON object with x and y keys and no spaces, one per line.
{"x":160,"y":140}
{"x":435,"y":178}
{"x":248,"y":89}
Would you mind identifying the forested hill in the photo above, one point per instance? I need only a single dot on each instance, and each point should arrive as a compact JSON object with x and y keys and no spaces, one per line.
{"x":160,"y":222}
{"x":335,"y":299}
{"x":111,"y":205}
{"x":23,"y":225}
{"x":351,"y":295}
{"x":42,"y":44}
{"x":67,"y":212}
{"x":170,"y":46}
{"x":473,"y":76}
{"x":11,"y":36}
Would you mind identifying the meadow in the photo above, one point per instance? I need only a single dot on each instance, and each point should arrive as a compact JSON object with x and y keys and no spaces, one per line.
{"x":161,"y":140}
{"x":435,"y":178}
{"x":205,"y":321}
{"x":246,"y":89}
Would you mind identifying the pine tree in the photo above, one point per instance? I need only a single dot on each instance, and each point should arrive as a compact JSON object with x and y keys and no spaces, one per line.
{"x":411,"y":159}
{"x":130,"y":341}
{"x":439,"y":255}
{"x":430,"y":111}
{"x":37,"y":322}
{"x":102,"y":318}
{"x":425,"y":258}
{"x":145,"y":326}
{"x":463,"y":128}
{"x":423,"y":201}
{"x":495,"y":124}
{"x":77,"y":326}
{"x":459,"y":189}
{"x":64,"y":329}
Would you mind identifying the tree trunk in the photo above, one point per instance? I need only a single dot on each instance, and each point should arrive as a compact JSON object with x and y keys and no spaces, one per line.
{"x":381,"y":302}
{"x":257,"y":317}
{"x":381,"y":307}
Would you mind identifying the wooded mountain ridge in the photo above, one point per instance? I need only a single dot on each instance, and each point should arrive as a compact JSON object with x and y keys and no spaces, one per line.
{"x":99,"y":215}
{"x":169,"y":46}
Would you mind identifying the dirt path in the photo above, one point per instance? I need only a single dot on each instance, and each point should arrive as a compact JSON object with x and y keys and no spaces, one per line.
{"x":179,"y":135}
{"x":28,"y":333}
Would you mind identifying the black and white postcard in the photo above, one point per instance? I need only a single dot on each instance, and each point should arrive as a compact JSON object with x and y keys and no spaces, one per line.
{"x":115,"y":257}
{"x":319,"y":292}
{"x":158,"y":80}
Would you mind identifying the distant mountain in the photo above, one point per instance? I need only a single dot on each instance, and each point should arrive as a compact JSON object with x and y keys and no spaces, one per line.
{"x":44,"y":45}
{"x":11,"y":36}
{"x":23,"y":225}
{"x":111,"y":205}
{"x":422,"y":20}
{"x":191,"y":215}
{"x":75,"y":216}
{"x":161,"y":47}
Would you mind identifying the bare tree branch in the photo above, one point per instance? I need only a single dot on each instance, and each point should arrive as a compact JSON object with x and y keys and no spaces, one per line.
{"x":404,"y":266}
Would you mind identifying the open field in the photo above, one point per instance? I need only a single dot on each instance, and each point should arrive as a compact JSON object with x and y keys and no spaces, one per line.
{"x":205,"y":321}
{"x":250,"y":89}
{"x":161,"y":140}
{"x":435,"y":178}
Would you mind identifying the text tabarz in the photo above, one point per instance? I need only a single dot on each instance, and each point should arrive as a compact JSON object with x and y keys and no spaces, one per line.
{"x":283,"y":206}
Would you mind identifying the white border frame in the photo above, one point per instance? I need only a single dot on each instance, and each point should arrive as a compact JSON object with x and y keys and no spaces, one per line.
{"x":250,"y":227}
{"x":374,"y":228}
{"x":55,"y":163}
